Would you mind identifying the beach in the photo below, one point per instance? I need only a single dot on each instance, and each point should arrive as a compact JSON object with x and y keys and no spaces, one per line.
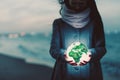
{"x":28,"y":58}
{"x":17,"y":69}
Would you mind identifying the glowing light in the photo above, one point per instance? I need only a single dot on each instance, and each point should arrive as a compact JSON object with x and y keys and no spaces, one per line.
{"x":75,"y":51}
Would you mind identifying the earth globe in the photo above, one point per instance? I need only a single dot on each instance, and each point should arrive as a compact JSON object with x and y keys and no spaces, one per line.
{"x":75,"y":51}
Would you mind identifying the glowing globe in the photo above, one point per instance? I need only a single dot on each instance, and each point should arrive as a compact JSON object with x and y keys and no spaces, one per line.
{"x":75,"y":51}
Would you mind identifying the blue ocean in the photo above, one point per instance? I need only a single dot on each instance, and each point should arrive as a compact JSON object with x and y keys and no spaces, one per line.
{"x":34,"y":49}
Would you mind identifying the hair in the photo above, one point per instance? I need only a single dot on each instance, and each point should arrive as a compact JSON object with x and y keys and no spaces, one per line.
{"x":94,"y":11}
{"x":66,"y":2}
{"x":61,"y":1}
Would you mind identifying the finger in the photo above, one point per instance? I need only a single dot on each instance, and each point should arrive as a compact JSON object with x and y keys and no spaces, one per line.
{"x":90,"y":55}
{"x":65,"y":56}
{"x":74,"y":64}
{"x":88,"y":59}
{"x":81,"y":64}
{"x":85,"y":61}
{"x":70,"y":61}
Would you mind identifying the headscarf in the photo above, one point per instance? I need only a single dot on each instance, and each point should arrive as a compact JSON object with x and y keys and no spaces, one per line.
{"x":94,"y":14}
{"x":75,"y":19}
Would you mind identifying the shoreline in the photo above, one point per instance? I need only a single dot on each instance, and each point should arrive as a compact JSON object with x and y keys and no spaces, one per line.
{"x":17,"y":69}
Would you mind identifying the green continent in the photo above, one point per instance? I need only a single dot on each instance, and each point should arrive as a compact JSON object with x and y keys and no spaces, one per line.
{"x":77,"y":51}
{"x":83,"y":48}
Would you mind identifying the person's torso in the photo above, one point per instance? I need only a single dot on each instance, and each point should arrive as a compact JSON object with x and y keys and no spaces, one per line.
{"x":68,"y":35}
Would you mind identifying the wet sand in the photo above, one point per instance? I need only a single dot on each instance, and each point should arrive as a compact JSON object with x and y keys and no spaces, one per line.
{"x":17,"y":69}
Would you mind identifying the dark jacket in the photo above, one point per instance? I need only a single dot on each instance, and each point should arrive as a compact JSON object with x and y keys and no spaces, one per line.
{"x":92,"y":35}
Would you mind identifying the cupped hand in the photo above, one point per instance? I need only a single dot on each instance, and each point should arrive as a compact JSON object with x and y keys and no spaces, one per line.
{"x":71,"y":62}
{"x":85,"y":59}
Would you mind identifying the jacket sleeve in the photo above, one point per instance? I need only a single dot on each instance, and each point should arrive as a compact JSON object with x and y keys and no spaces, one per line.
{"x":55,"y":46}
{"x":98,"y":50}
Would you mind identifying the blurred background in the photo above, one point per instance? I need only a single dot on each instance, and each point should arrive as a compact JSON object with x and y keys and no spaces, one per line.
{"x":25,"y":34}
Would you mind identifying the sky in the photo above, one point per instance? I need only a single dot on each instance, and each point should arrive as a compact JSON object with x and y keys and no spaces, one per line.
{"x":38,"y":15}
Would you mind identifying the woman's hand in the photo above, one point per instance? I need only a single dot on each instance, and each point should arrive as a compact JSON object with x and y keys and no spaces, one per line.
{"x":69,"y":61}
{"x":85,"y":59}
